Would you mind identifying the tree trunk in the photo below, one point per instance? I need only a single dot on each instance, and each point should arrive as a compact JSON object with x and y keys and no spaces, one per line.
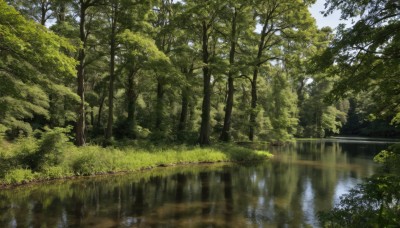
{"x":184,"y":110}
{"x":183,"y":119}
{"x":253,"y":111}
{"x":204,"y":138}
{"x":300,"y":93}
{"x":205,"y":193}
{"x":101,"y":108}
{"x":61,"y":13}
{"x":185,"y":102}
{"x":43,"y":12}
{"x":91,"y":116}
{"x":80,"y":124}
{"x":160,"y":104}
{"x":131,"y":98}
{"x":110,"y":122}
{"x":225,"y":134}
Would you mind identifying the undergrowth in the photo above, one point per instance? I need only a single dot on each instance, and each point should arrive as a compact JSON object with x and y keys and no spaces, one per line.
{"x":51,"y":156}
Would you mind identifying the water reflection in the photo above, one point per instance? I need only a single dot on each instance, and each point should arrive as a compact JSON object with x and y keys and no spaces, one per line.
{"x":302,"y":179}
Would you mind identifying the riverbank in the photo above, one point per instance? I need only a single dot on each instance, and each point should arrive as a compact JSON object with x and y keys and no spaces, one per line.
{"x":30,"y":160}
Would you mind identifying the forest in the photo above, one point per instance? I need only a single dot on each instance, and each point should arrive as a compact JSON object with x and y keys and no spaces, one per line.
{"x":105,"y":75}
{"x":192,"y":71}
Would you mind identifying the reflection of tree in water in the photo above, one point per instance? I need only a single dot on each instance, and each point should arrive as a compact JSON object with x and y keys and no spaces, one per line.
{"x":138,"y":202}
{"x":179,"y":196}
{"x":283,"y":183}
{"x":181,"y":181}
{"x":227,"y":180}
{"x":205,"y":193}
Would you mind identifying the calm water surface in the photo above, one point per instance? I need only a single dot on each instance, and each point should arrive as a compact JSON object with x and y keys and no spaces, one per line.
{"x":301,"y":180}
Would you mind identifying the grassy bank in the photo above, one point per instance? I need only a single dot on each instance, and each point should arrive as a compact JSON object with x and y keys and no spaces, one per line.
{"x":53,"y":157}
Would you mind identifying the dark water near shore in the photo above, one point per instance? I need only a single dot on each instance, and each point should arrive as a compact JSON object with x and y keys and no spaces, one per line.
{"x":299,"y":181}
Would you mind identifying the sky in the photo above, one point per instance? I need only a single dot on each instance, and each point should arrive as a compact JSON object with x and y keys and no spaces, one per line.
{"x":332,"y":20}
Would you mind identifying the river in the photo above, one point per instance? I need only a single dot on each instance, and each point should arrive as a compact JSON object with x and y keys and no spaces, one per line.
{"x":287,"y":191}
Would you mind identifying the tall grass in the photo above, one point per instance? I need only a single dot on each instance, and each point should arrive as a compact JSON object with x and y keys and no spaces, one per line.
{"x":52,"y":156}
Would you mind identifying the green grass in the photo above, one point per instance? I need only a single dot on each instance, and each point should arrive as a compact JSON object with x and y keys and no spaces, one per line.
{"x":29,"y":160}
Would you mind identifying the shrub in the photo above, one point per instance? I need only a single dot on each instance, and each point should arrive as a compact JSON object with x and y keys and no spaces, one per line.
{"x":3,"y":130}
{"x":91,"y":160}
{"x":35,"y":153}
{"x":375,"y":202}
{"x":23,"y":153}
{"x":390,"y":159}
{"x":84,"y":165}
{"x":18,"y":176}
{"x":54,"y":172}
{"x":28,"y":154}
{"x":51,"y":145}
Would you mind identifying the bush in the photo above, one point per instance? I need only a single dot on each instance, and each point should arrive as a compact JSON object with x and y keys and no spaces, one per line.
{"x":18,"y":176}
{"x":35,"y":154}
{"x":22,"y":155}
{"x":47,"y":151}
{"x":54,"y":172}
{"x":375,"y":202}
{"x":91,"y":160}
{"x":84,"y":165}
{"x":390,"y":159}
{"x":51,"y":145}
{"x":3,"y":130}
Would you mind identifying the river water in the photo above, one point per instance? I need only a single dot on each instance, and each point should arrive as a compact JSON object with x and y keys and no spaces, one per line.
{"x":287,"y":191}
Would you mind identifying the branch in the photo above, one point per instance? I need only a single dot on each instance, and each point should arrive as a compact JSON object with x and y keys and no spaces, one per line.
{"x":268,"y":59}
{"x":220,"y":32}
{"x":245,"y":76}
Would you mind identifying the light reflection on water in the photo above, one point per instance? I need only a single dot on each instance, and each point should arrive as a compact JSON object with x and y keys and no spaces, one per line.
{"x":287,"y":191}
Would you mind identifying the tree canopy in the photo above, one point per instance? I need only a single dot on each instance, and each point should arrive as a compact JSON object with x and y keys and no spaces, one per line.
{"x":366,"y":55}
{"x":34,"y":63}
{"x":197,"y":71}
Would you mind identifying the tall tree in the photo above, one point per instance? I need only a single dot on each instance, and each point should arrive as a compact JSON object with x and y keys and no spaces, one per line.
{"x":113,"y":17}
{"x":139,"y":53}
{"x":204,"y":16}
{"x":187,"y":59}
{"x":280,"y":20}
{"x":126,"y":16}
{"x":84,"y":31}
{"x":38,"y":10}
{"x":280,"y":106}
{"x":366,"y":55}
{"x":164,"y":42}
{"x":319,"y":118}
{"x":33,"y":65}
{"x":238,"y":13}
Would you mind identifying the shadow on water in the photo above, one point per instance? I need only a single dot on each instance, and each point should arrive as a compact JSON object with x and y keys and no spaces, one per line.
{"x":303,"y":178}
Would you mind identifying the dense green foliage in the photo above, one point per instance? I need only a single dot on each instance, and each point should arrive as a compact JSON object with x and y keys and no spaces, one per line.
{"x":184,"y":71}
{"x":34,"y":66}
{"x":366,"y":59}
{"x":366,"y":56}
{"x":192,"y":71}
